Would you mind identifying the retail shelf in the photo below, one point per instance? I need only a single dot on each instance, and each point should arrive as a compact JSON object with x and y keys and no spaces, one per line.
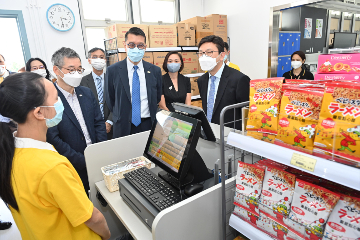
{"x":333,"y":171}
{"x":190,"y":48}
{"x":246,"y":229}
{"x":193,"y":75}
{"x":164,"y":49}
{"x":195,"y":97}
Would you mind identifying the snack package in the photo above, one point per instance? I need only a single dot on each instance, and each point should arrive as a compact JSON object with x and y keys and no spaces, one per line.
{"x":245,"y":215}
{"x":299,"y":114}
{"x":249,"y":181}
{"x":297,"y":81}
{"x":266,"y":137}
{"x":344,"y":63}
{"x":338,"y":129}
{"x":310,"y":209}
{"x":336,"y":77}
{"x":265,"y":95}
{"x":277,"y":193}
{"x":275,"y":229}
{"x":344,"y":221}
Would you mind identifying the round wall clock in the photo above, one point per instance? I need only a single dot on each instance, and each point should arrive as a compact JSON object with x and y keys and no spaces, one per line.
{"x":60,"y":17}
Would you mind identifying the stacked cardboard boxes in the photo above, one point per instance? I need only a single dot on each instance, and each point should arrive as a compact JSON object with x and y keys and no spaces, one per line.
{"x":219,"y":25}
{"x":191,"y":62}
{"x":119,"y":31}
{"x":194,"y":86}
{"x":159,"y":60}
{"x":186,"y":34}
{"x":148,"y":56}
{"x":163,"y":36}
{"x":203,"y":27}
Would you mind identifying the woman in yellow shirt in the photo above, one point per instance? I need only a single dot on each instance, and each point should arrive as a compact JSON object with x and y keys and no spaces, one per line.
{"x":44,"y":191}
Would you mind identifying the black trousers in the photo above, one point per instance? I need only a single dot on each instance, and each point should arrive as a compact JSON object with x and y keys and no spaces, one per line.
{"x":145,"y":125}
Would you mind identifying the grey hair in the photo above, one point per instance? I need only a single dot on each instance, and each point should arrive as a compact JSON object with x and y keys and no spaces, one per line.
{"x":57,"y":58}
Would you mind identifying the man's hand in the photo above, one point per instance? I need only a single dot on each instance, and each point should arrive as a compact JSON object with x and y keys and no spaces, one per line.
{"x":108,"y":127}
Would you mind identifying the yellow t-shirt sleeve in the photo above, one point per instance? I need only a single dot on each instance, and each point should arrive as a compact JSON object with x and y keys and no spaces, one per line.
{"x":232,"y":65}
{"x":60,"y":188}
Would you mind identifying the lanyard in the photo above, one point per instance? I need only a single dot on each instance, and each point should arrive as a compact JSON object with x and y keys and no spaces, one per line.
{"x":298,"y":77}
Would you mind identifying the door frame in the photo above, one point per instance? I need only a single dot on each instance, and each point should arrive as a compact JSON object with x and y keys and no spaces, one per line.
{"x":17,"y":14}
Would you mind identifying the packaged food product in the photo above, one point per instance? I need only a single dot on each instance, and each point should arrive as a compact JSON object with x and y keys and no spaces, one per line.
{"x":338,"y":129}
{"x":299,"y":114}
{"x":249,"y":181}
{"x":344,"y":221}
{"x":310,"y":209}
{"x":266,"y":137}
{"x":339,"y":63}
{"x":265,"y":95}
{"x":277,"y":193}
{"x":336,"y":77}
{"x":297,"y":81}
{"x":246,"y":215}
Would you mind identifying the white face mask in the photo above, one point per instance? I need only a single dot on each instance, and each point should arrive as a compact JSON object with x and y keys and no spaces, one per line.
{"x":41,"y":72}
{"x":207,"y":63}
{"x":98,"y":63}
{"x":73,"y":80}
{"x":2,"y":69}
{"x":296,"y":64}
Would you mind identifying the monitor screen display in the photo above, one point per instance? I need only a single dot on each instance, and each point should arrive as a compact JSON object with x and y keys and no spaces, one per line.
{"x":169,"y":140}
{"x":344,"y":40}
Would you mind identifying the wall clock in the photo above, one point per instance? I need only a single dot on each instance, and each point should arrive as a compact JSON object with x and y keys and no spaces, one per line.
{"x":60,"y":17}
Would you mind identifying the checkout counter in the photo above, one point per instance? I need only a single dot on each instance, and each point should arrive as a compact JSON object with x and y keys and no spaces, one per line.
{"x":197,"y":217}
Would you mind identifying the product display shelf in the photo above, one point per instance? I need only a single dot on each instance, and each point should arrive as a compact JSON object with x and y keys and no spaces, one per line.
{"x":195,"y":97}
{"x":330,"y":170}
{"x":246,"y":229}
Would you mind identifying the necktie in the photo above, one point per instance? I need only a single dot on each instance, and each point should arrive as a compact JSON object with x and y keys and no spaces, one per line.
{"x":135,"y":98}
{"x":100,"y":94}
{"x":211,"y":99}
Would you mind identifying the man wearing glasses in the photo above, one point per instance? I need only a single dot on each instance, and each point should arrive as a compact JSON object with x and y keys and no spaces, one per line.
{"x":82,"y":122}
{"x":133,"y":88}
{"x":95,"y":81}
{"x":221,"y":85}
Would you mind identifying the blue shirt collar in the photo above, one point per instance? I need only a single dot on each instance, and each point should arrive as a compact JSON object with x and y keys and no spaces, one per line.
{"x":219,"y":73}
{"x":95,"y":76}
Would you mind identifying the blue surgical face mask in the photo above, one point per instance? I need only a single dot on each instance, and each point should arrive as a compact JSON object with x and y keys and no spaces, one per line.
{"x":225,"y":58}
{"x":59,"y":109}
{"x":135,"y":54}
{"x":173,"y":67}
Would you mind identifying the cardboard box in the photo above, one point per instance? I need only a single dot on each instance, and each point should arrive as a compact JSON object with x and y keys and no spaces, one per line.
{"x":186,"y":34}
{"x":336,"y":77}
{"x":345,"y":63}
{"x":204,"y":26}
{"x":194,"y":86}
{"x":149,"y":57}
{"x":197,"y":103}
{"x":220,"y":25}
{"x":119,"y":31}
{"x":159,"y":60}
{"x":163,"y":36}
{"x":191,"y":62}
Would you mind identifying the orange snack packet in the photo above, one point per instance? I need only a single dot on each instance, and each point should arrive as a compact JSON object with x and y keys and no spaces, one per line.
{"x":265,"y":95}
{"x":299,"y":114}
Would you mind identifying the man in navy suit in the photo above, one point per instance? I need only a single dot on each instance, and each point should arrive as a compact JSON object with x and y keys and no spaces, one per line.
{"x":133,"y":88}
{"x":82,"y":122}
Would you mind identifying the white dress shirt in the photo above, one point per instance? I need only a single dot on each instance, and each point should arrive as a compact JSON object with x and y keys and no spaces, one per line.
{"x":217,"y":82}
{"x":145,"y":111}
{"x":102,"y":85}
{"x":73,"y":101}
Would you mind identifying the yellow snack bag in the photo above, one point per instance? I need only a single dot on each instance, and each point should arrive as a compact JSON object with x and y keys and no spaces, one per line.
{"x":266,"y":137}
{"x":338,"y":130}
{"x":265,"y":95}
{"x":299,"y":114}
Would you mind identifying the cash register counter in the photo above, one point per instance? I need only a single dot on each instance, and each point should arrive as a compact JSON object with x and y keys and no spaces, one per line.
{"x":198,"y":217}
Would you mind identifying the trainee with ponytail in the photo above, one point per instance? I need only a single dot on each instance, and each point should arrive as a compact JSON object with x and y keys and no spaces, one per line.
{"x":43,"y":190}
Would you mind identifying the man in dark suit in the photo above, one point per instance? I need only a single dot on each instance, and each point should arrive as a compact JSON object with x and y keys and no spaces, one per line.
{"x":133,"y":88}
{"x":95,"y":81}
{"x":3,"y":71}
{"x":82,"y":123}
{"x":221,"y":85}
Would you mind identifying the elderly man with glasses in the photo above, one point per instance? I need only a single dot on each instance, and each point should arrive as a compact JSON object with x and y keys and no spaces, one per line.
{"x":82,"y":121}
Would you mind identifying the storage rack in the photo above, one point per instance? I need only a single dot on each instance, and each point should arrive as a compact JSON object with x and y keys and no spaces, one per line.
{"x":326,"y":169}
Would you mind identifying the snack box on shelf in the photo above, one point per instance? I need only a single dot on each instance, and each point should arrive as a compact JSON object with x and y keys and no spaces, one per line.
{"x":339,"y":63}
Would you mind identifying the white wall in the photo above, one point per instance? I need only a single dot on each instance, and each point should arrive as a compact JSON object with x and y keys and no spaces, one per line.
{"x":43,"y":39}
{"x":191,"y":8}
{"x":248,"y":29}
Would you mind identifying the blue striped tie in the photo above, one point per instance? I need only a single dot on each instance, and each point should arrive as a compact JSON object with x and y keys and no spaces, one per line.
{"x":211,"y":99}
{"x":100,"y":94}
{"x":135,"y":98}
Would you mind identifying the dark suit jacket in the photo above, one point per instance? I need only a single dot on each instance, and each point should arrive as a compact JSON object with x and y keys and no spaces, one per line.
{"x":68,"y":138}
{"x":233,"y":88}
{"x":118,"y":97}
{"x":88,"y":81}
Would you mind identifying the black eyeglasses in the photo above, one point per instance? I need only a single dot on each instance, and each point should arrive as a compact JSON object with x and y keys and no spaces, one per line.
{"x":207,"y":53}
{"x":139,"y":46}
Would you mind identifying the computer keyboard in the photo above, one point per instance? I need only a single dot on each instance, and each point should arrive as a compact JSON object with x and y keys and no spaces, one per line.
{"x":154,"y":189}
